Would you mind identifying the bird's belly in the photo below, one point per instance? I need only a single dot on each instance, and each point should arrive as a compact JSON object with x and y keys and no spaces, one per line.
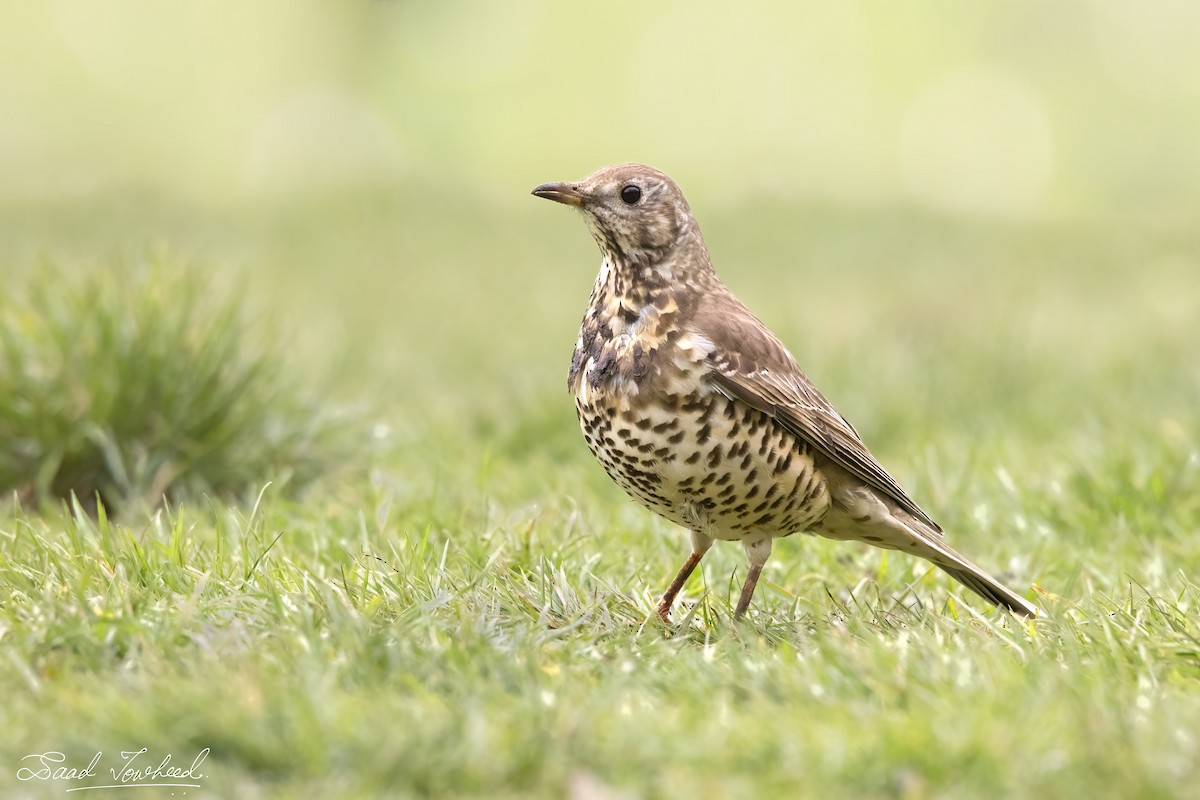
{"x":705,"y":462}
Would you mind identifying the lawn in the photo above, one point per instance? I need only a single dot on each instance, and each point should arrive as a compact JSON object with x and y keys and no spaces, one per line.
{"x":462,"y":605}
{"x":276,"y":303}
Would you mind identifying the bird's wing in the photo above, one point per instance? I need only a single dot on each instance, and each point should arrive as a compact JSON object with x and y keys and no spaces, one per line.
{"x":748,"y":363}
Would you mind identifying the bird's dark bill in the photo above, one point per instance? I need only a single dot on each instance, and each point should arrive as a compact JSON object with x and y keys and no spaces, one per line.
{"x":565,"y":193}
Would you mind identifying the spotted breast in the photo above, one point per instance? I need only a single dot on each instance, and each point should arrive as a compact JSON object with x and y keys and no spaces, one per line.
{"x":671,"y":439}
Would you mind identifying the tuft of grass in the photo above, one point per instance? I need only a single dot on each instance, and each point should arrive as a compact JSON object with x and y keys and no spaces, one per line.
{"x":133,"y":382}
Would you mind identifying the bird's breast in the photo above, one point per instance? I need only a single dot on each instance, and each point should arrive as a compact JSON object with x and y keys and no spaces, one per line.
{"x":628,"y":362}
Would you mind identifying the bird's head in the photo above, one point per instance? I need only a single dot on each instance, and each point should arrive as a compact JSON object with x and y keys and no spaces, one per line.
{"x":636,"y":214}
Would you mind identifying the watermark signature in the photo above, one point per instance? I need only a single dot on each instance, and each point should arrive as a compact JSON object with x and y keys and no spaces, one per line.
{"x":135,"y":769}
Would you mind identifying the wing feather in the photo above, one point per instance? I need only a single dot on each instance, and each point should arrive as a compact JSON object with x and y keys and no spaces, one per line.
{"x":749,"y":364}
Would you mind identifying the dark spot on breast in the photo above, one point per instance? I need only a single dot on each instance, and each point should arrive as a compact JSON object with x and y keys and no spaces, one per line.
{"x":602,"y":368}
{"x":714,"y":457}
{"x":806,"y":483}
{"x":641,"y":362}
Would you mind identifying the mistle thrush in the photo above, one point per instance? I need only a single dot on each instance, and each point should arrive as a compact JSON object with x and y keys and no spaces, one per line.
{"x":701,"y":414}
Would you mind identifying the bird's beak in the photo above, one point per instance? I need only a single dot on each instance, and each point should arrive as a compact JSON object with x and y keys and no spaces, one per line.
{"x":566,"y":193}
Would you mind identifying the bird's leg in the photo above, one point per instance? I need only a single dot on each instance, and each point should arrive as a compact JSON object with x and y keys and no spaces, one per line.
{"x":758,"y":552}
{"x":700,"y":545}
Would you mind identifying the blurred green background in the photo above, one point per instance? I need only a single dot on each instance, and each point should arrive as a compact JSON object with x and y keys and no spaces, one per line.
{"x":975,"y":225}
{"x":365,"y":166}
{"x":1016,"y":109}
{"x":1004,"y":194}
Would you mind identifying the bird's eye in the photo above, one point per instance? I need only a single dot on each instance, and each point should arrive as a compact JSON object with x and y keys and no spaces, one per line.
{"x":631,"y":194}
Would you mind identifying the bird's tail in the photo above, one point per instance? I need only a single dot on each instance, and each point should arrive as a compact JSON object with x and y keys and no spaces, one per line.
{"x":896,"y":529}
{"x":932,"y":548}
{"x":986,"y":586}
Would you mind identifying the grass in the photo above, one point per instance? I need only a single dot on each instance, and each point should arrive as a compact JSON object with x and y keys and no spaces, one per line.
{"x":470,"y":613}
{"x":126,"y":383}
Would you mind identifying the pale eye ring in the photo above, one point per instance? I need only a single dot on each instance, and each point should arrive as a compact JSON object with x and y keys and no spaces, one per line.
{"x":631,"y":194}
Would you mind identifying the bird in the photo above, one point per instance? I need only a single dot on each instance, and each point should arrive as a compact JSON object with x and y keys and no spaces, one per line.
{"x":702,"y":415}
